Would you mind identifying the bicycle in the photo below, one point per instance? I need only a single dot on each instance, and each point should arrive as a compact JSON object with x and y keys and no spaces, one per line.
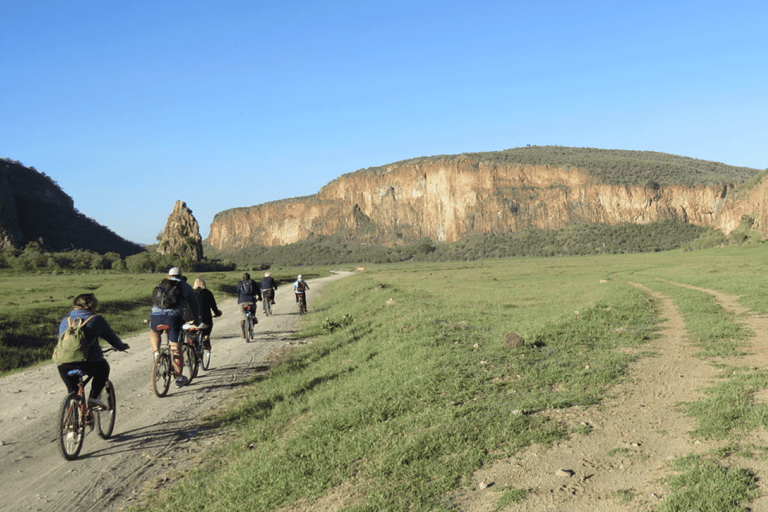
{"x":268,"y":296}
{"x":302,"y":302}
{"x":77,"y":414}
{"x":249,"y":311}
{"x":162,"y":366}
{"x":193,"y":335}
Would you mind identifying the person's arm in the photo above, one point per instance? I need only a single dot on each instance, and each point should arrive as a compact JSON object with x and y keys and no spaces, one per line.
{"x":191,"y":298}
{"x":102,"y":329}
{"x":214,"y":307}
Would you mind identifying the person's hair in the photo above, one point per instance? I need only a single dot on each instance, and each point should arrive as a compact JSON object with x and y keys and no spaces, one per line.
{"x":246,"y":276}
{"x":86,"y":301}
{"x":199,"y":283}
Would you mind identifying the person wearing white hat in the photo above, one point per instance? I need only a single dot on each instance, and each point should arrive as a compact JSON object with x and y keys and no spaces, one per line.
{"x":169,"y":299}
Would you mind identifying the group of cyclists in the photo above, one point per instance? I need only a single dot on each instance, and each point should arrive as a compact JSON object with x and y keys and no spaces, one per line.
{"x":175,"y":302}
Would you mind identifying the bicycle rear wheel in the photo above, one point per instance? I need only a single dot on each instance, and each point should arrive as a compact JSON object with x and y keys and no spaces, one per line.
{"x":161,"y":374}
{"x":106,"y":419}
{"x":71,"y":427}
{"x":248,"y":330}
{"x":190,"y":362}
{"x":206,"y":358}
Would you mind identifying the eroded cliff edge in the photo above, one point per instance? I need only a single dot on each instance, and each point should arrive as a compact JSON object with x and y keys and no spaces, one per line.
{"x":448,"y":199}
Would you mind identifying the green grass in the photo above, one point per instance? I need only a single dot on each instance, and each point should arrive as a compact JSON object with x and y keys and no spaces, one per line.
{"x":705,"y":486}
{"x":405,"y":388}
{"x":415,"y":395}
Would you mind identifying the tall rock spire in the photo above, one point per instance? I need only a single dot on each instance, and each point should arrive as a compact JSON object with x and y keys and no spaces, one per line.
{"x":181,"y":236}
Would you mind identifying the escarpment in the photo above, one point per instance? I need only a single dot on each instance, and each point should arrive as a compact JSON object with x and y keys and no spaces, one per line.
{"x":446,"y":199}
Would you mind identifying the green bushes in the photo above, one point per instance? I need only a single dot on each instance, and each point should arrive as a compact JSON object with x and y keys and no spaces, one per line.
{"x":583,"y":239}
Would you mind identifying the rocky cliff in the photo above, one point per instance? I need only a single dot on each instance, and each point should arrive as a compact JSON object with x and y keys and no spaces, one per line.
{"x":33,"y":207}
{"x":448,"y":198}
{"x":181,"y":235}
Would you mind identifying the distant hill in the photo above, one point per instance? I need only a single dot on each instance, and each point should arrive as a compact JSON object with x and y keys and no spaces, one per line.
{"x":447,"y":198}
{"x":34,"y":207}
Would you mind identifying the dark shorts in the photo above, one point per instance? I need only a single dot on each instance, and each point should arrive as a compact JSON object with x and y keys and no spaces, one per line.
{"x":174,"y":321}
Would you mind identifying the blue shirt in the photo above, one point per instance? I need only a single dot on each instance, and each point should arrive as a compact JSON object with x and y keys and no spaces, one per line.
{"x":96,"y":328}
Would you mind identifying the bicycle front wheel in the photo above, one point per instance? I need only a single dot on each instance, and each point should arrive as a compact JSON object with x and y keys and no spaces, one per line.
{"x":161,"y":374}
{"x":190,"y":362}
{"x":106,"y":419}
{"x":71,"y":427}
{"x":206,"y":359}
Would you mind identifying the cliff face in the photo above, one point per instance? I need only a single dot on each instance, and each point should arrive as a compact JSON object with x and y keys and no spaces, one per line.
{"x":181,"y":235}
{"x":33,"y":207}
{"x":446,"y":200}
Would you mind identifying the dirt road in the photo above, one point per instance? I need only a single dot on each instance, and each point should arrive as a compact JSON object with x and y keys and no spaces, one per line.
{"x":635,"y":433}
{"x":152,"y":436}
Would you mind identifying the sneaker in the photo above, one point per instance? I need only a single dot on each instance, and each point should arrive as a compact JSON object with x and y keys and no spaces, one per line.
{"x":182,"y":381}
{"x":97,"y":405}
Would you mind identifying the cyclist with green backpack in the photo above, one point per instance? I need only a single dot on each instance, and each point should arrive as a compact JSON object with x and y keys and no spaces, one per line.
{"x":169,"y":299}
{"x":78,"y":347}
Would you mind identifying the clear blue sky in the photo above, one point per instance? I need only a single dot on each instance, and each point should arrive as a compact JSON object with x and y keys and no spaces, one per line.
{"x":130,"y":106}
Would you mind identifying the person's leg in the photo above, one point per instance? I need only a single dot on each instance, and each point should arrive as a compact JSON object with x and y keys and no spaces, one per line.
{"x":70,"y":382}
{"x":100,"y":372}
{"x":175,"y":322}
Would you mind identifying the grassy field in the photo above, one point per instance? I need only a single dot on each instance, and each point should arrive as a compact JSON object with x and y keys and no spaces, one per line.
{"x":407,"y":388}
{"x":33,"y":305}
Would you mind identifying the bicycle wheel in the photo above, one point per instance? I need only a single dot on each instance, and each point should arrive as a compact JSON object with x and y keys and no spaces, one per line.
{"x":71,"y":427}
{"x":106,"y":419}
{"x":267,"y":307}
{"x":206,"y":359}
{"x":190,"y":362}
{"x":161,"y":374}
{"x":248,"y":330}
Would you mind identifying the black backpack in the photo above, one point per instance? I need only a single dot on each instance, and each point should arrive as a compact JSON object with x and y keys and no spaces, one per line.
{"x":168,"y":294}
{"x":247,"y":287}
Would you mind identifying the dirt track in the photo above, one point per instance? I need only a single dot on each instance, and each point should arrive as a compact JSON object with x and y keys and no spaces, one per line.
{"x":636,"y":432}
{"x":152,"y":436}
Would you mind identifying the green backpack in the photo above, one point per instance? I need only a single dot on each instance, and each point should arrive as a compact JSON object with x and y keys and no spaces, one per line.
{"x":72,"y":346}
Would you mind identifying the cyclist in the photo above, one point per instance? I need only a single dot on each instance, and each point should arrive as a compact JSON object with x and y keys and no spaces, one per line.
{"x":169,"y":300}
{"x":207,"y":305}
{"x":95,"y":365}
{"x":248,"y":292}
{"x":300,"y":287}
{"x":268,"y":288}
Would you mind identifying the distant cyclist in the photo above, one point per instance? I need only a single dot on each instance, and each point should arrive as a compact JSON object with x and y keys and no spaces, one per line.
{"x":169,"y":299}
{"x":94,"y":327}
{"x":300,"y":287}
{"x":248,"y":292}
{"x":208,"y":309}
{"x":268,"y":288}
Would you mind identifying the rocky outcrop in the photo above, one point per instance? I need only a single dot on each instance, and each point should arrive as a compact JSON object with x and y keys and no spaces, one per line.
{"x":448,"y":199}
{"x":33,"y":208}
{"x":181,"y":235}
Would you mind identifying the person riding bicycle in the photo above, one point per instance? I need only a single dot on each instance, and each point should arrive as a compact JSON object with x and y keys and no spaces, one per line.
{"x":268,"y":287}
{"x":95,"y":364}
{"x":300,"y":287}
{"x":207,"y":305}
{"x":169,"y":299}
{"x":248,"y":292}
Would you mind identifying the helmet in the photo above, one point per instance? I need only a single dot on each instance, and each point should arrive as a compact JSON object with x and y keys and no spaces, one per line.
{"x":299,"y":277}
{"x":175,"y":271}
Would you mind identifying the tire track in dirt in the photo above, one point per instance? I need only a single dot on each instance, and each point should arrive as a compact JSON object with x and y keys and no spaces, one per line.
{"x":637,"y":431}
